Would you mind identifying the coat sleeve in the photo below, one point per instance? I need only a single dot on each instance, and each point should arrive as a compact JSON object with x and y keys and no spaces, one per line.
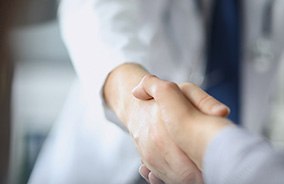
{"x":100,"y":35}
{"x":238,"y":157}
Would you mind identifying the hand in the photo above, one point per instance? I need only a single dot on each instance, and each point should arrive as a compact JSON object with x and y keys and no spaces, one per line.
{"x":142,"y":119}
{"x":157,"y":150}
{"x":172,"y":102}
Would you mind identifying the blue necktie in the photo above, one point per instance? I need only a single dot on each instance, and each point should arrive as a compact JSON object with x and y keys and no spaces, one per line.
{"x":224,"y":55}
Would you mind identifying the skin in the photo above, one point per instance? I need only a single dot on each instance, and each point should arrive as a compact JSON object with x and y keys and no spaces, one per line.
{"x":146,"y":124}
{"x":189,"y":127}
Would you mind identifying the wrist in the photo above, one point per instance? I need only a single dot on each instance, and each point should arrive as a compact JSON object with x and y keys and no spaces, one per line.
{"x":118,"y":87}
{"x":202,"y":130}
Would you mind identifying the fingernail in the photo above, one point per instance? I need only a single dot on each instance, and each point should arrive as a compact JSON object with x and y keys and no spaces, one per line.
{"x":134,"y":89}
{"x":220,"y":108}
{"x":143,"y":173}
{"x":153,"y":179}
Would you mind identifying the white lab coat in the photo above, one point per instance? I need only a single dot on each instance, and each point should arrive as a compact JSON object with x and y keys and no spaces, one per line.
{"x":168,"y":38}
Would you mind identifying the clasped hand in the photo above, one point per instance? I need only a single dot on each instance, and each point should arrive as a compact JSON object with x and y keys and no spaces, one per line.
{"x":165,"y":122}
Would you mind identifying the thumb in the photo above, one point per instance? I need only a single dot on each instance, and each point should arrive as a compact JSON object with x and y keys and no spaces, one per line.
{"x":149,"y":85}
{"x":167,"y":94}
{"x":203,"y":101}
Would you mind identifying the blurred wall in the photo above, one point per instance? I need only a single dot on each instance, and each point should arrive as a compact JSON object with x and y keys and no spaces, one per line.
{"x":42,"y":77}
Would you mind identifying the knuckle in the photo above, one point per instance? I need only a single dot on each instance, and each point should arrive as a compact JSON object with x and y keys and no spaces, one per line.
{"x":205,"y":100}
{"x":157,"y":139}
{"x":149,"y":76}
{"x":148,"y":158}
{"x":190,"y":176}
{"x":166,"y":86}
{"x":188,"y":86}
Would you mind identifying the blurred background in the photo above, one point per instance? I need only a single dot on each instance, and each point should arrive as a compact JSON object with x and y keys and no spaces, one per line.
{"x":42,"y":77}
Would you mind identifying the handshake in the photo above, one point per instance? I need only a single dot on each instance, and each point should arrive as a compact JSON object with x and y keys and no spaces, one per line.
{"x":173,"y":143}
{"x":170,"y":124}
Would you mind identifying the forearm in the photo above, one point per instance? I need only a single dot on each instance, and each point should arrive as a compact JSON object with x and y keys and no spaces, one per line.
{"x":237,"y":156}
{"x":118,"y":87}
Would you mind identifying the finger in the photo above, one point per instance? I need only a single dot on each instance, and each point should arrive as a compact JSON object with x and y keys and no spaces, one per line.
{"x":139,"y":91}
{"x":203,"y":101}
{"x":149,"y":85}
{"x":200,"y":99}
{"x":144,"y":172}
{"x":166,"y":93}
{"x":154,"y":180}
